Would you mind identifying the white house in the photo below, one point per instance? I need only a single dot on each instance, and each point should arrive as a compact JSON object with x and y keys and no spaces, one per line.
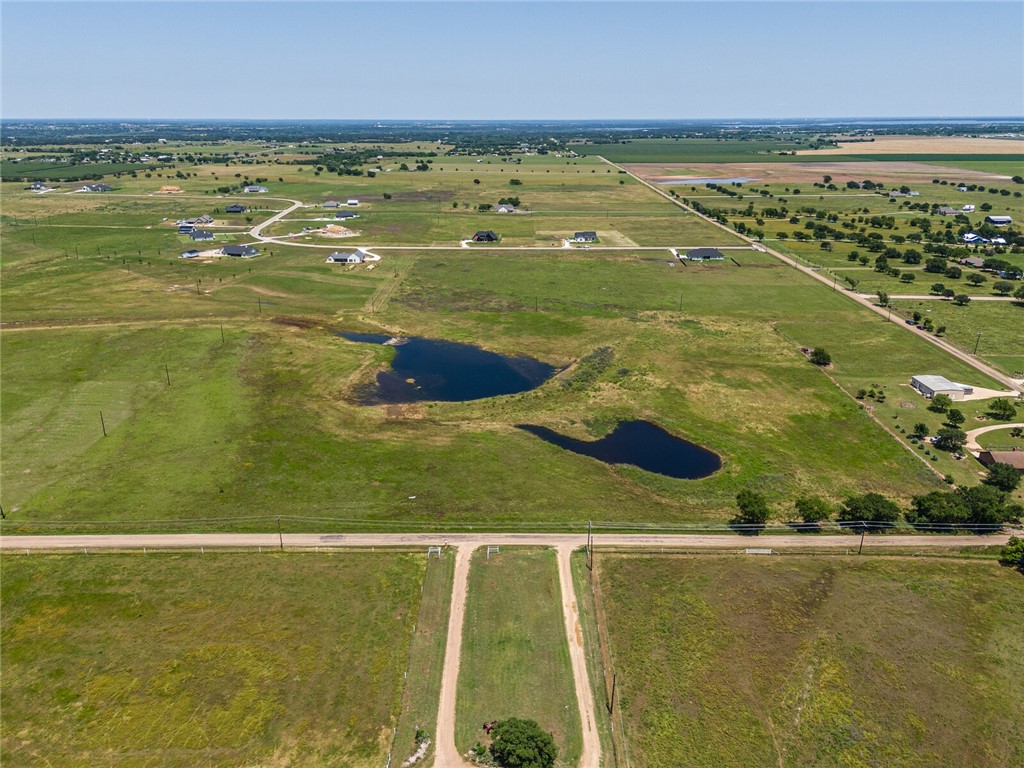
{"x":972,"y":238}
{"x":352,"y":202}
{"x":254,"y":189}
{"x":346,"y":257}
{"x":506,"y":208}
{"x":968,"y":208}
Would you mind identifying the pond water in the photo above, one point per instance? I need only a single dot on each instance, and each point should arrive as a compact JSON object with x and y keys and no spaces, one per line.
{"x":693,"y":182}
{"x":431,"y":369}
{"x":642,"y":444}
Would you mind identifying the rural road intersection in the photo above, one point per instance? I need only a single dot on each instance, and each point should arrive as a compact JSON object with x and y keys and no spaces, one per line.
{"x":447,"y":753}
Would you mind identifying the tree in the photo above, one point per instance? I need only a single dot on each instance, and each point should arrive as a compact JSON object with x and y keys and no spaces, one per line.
{"x":1002,"y":409}
{"x":1019,"y":293}
{"x":962,"y":300}
{"x":908,"y":277}
{"x":940,"y":330}
{"x":522,"y":744}
{"x":753,"y":508}
{"x":820,"y":356}
{"x":947,"y":507}
{"x":938,"y":288}
{"x":976,"y":279}
{"x":950,"y":439}
{"x":940,"y":403}
{"x":515,"y":182}
{"x":1002,"y":286}
{"x":883,"y":299}
{"x":986,"y":505}
{"x":955,"y":417}
{"x":813,"y":509}
{"x":1013,"y":553}
{"x":920,"y":430}
{"x":953,"y":273}
{"x":1005,"y":477}
{"x":871,"y":507}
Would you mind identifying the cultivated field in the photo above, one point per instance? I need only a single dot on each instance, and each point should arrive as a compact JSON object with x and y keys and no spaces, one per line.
{"x":815,"y":661}
{"x":214,"y":660}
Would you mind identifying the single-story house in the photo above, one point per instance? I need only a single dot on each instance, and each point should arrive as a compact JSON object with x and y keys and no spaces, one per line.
{"x":352,"y":202}
{"x":1013,"y":273}
{"x":998,"y":241}
{"x":346,"y":215}
{"x":506,"y":208}
{"x":968,"y":208}
{"x":96,"y":188}
{"x":998,"y":221}
{"x":705,"y":254}
{"x":947,"y":211}
{"x":202,"y":234}
{"x":331,"y":204}
{"x":254,"y":189}
{"x":244,"y":251}
{"x":1014,"y":458}
{"x":962,"y":188}
{"x":485,"y":236}
{"x":346,"y":257}
{"x":972,"y":238}
{"x":585,"y":237}
{"x":39,"y":187}
{"x":189,"y":254}
{"x":931,"y":385}
{"x":973,"y":262}
{"x":186,"y":229}
{"x":236,"y":208}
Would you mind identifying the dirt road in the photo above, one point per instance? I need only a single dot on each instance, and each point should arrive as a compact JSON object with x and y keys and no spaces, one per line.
{"x":446,"y":753}
{"x":591,"y":754}
{"x":972,"y":436}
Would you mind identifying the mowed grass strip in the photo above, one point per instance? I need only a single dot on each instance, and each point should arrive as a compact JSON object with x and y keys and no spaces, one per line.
{"x":515,"y":656}
{"x":816,"y":661}
{"x":426,"y":661}
{"x":213,"y":660}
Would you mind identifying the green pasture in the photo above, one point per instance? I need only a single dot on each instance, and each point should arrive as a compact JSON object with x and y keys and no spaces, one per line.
{"x":215,"y":660}
{"x":815,"y":661}
{"x":515,"y":657}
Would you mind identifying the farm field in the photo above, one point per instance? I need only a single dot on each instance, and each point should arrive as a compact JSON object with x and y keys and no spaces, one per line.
{"x":731,"y":662}
{"x":515,"y":657}
{"x":215,"y":659}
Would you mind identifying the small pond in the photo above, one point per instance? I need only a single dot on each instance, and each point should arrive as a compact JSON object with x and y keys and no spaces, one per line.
{"x":431,"y":369}
{"x":642,"y":444}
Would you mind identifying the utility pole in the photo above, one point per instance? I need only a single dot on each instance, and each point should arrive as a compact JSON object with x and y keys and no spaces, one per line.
{"x":259,"y":303}
{"x":222,"y":333}
{"x":977,"y":341}
{"x":167,"y":371}
{"x":863,"y":530}
{"x":611,"y":703}
{"x":103,"y":425}
{"x":280,"y":536}
{"x":590,"y":545}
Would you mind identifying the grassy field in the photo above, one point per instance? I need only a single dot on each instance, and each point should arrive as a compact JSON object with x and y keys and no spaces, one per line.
{"x":426,"y":661}
{"x":214,"y":660}
{"x":729,"y":662}
{"x":515,"y":658}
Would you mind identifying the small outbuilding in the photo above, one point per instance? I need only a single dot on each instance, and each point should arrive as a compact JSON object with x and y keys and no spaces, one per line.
{"x":973,"y":262}
{"x":240,"y":251}
{"x":201,"y":234}
{"x":485,"y":236}
{"x":346,"y":215}
{"x":331,"y":204}
{"x":189,"y":254}
{"x":346,"y":257}
{"x":705,"y":254}
{"x":585,"y":237}
{"x":931,"y":385}
{"x":947,"y":211}
{"x":352,"y":203}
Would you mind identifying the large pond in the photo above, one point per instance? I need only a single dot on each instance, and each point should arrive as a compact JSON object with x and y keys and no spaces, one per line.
{"x":430,"y":369}
{"x":642,"y":444}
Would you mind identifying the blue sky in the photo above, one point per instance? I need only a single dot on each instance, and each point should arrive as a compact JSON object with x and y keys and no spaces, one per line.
{"x":508,"y":60}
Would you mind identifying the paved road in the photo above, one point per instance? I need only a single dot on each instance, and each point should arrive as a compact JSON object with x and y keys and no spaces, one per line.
{"x":591,"y":754}
{"x":972,"y":436}
{"x":1014,"y":384}
{"x":327,"y":540}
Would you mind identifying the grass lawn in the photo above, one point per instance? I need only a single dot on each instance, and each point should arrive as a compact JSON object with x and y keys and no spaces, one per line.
{"x":214,"y":660}
{"x":515,"y":657}
{"x":816,"y":661}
